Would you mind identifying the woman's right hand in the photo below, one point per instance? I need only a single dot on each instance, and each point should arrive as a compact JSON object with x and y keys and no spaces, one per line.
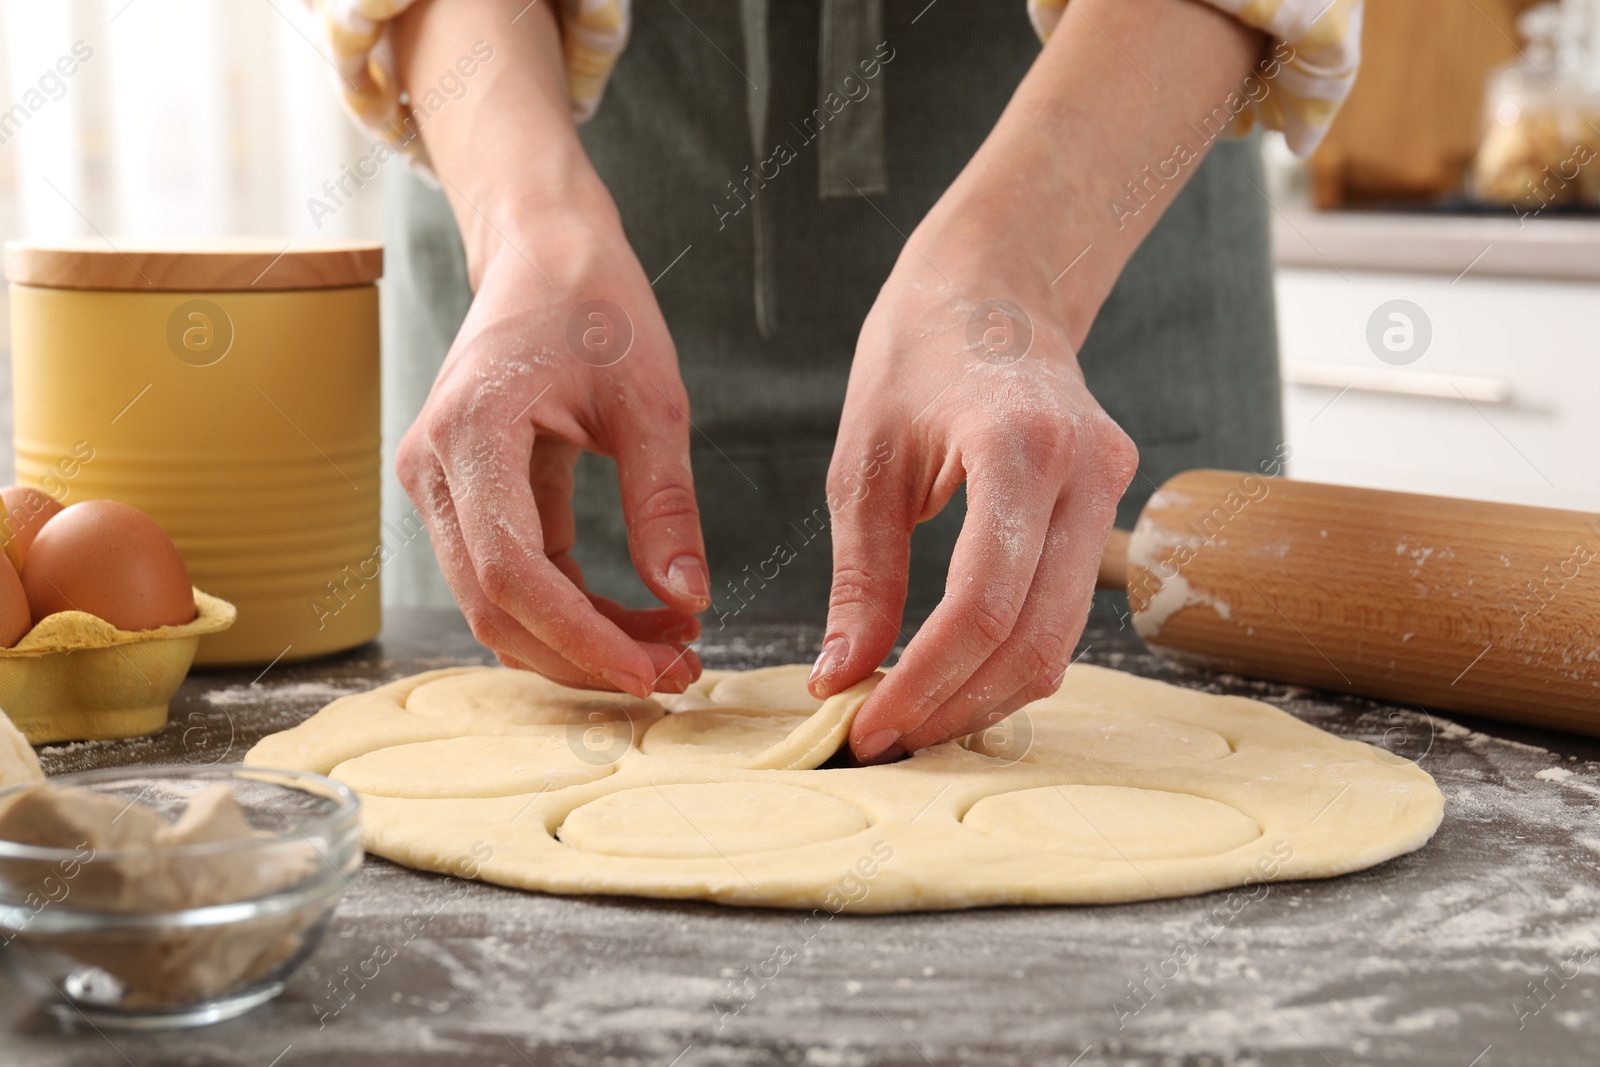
{"x":564,"y":349}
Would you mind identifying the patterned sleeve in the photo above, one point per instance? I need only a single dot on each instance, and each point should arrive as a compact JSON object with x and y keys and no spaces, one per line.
{"x":1307,"y":74}
{"x":1298,"y":88}
{"x":593,"y":35}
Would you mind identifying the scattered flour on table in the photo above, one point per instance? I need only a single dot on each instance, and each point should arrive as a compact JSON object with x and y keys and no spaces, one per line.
{"x":70,"y":747}
{"x":1511,"y":883}
{"x":1562,"y":776}
{"x":1500,"y":893}
{"x":254,"y":696}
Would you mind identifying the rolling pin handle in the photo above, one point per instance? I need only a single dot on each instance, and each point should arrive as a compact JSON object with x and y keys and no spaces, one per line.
{"x":1114,"y":562}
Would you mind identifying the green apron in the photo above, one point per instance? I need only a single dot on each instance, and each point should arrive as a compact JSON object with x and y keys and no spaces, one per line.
{"x":766,"y":260}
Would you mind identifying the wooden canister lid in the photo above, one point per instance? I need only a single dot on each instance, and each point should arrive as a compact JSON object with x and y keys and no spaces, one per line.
{"x":193,"y":264}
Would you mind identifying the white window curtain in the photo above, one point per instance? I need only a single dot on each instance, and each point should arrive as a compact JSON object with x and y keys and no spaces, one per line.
{"x":127,"y":118}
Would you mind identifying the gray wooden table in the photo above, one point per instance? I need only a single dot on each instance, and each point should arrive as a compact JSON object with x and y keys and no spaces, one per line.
{"x":1431,"y":959}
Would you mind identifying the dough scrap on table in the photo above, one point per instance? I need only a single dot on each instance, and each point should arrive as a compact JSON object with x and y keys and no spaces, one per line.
{"x":1115,"y":788}
{"x":19,"y":764}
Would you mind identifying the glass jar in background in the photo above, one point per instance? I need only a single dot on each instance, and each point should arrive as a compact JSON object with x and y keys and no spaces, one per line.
{"x":1541,"y":145}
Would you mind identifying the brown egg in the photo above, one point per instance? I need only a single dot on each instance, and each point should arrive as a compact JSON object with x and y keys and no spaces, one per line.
{"x":111,"y":560}
{"x":15,"y":618}
{"x":26,"y":511}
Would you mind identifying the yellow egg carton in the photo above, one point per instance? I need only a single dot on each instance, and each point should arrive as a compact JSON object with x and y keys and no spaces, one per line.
{"x":75,"y":677}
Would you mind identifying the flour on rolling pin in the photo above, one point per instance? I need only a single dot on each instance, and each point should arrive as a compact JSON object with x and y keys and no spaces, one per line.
{"x":1461,"y":605}
{"x":1156,"y":554}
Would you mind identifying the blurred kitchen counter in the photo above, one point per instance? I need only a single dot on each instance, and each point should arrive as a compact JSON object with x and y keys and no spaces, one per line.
{"x":1442,"y":354}
{"x":1474,"y":245}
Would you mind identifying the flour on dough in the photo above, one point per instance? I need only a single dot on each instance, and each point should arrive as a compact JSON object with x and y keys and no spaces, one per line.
{"x":1116,"y":788}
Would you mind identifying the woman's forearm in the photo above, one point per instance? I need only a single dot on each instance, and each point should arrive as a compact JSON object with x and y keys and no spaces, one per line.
{"x":1122,"y":86}
{"x":507,"y":150}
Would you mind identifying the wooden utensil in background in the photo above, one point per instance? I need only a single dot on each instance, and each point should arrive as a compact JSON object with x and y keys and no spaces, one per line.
{"x":1415,"y":115}
{"x":1459,"y":605}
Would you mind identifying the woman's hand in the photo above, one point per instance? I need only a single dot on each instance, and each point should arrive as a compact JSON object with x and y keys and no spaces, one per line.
{"x":965,"y":376}
{"x":966,"y":369}
{"x":564,"y":349}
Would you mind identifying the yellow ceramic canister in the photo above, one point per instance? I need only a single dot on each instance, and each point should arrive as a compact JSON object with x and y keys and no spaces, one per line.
{"x":230,"y":389}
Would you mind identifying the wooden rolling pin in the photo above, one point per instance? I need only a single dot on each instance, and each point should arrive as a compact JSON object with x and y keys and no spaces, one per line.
{"x":1461,"y":605}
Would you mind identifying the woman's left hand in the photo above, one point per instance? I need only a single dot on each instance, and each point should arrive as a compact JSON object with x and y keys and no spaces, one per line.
{"x":965,"y":371}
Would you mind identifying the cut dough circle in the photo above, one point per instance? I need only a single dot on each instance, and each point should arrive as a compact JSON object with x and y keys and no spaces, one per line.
{"x":1113,"y":822}
{"x":1116,"y":788}
{"x":1099,"y":735}
{"x":710,"y":820}
{"x":459,"y":702}
{"x":501,"y":766}
{"x":734,"y":737}
{"x":522,"y":698}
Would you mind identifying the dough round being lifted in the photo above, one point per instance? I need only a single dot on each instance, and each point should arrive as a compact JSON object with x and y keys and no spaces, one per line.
{"x":760,"y":720}
{"x":1116,"y":788}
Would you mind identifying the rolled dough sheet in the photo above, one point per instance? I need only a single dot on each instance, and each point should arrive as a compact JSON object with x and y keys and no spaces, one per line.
{"x":1116,"y":788}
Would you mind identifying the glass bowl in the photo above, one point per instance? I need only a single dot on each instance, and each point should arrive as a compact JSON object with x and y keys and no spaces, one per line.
{"x":158,"y":938}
